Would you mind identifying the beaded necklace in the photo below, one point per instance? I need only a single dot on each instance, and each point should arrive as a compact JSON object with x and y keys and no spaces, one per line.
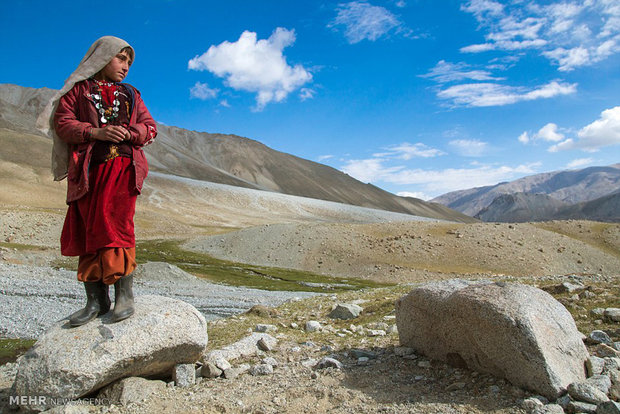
{"x":111,"y":112}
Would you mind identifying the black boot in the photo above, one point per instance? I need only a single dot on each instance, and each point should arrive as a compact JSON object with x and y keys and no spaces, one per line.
{"x":96,"y":294}
{"x":123,"y":299}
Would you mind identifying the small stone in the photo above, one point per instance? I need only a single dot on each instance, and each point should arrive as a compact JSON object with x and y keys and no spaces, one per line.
{"x":271,"y":361}
{"x":393,"y":329}
{"x":612,"y":314}
{"x":294,"y":325}
{"x":582,"y":391}
{"x":605,"y":351}
{"x":310,"y":362}
{"x":581,"y":407}
{"x":530,"y":403}
{"x":262,"y":327}
{"x":265,"y":345}
{"x":376,"y":332}
{"x":424,"y":364}
{"x":184,"y":375}
{"x":494,"y":389}
{"x":595,"y":365}
{"x":419,"y":377}
{"x":609,"y":407}
{"x":328,"y":362}
{"x":209,"y":370}
{"x":455,"y":386}
{"x":359,"y":353}
{"x":313,"y":326}
{"x":261,"y":369}
{"x":611,"y":364}
{"x":548,"y":409}
{"x":221,"y":363}
{"x":599,"y":337}
{"x":346,"y":311}
{"x":563,"y":401}
{"x":597,"y":312}
{"x":600,"y":382}
{"x":362,"y":360}
{"x":403,"y":350}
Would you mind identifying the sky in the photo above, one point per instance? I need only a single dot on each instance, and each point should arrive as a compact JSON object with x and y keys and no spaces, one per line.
{"x":418,"y":97}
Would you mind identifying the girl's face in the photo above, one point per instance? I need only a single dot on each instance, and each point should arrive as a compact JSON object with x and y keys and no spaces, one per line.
{"x":117,"y":69}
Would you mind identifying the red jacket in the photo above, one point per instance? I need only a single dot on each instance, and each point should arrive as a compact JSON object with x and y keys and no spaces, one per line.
{"x":76,"y":114}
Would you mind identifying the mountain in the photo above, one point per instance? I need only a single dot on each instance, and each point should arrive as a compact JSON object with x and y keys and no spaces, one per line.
{"x":234,"y":160}
{"x":574,"y":186}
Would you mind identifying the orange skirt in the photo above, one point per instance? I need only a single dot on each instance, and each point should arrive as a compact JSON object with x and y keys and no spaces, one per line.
{"x":108,"y":265}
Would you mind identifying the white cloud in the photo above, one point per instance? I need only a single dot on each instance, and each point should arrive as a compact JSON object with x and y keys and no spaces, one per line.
{"x":444,"y":72}
{"x":569,"y":33}
{"x":306,"y":93}
{"x":255,"y":65}
{"x":414,"y":194}
{"x":363,"y":21}
{"x":580,"y":162}
{"x":604,"y":132}
{"x":493,"y":94}
{"x":524,"y":138}
{"x":224,"y":103}
{"x":202,"y":91}
{"x":469,"y":147}
{"x":435,"y":181}
{"x":324,"y":157}
{"x":407,"y":151}
{"x":549,"y":133}
{"x":401,"y":3}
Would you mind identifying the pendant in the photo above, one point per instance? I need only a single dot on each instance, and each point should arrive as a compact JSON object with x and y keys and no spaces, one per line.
{"x":103,"y":120}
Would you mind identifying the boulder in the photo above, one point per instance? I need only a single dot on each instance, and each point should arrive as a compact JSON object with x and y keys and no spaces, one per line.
{"x":247,"y":346}
{"x":346,"y":311}
{"x":71,"y":362}
{"x":509,"y":330}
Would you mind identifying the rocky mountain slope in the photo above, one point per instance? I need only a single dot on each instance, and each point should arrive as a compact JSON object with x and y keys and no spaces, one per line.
{"x":233,"y":160}
{"x":523,"y":207}
{"x":572,"y":187}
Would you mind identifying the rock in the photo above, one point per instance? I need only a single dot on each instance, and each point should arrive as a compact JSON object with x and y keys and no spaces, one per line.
{"x":595,"y":365}
{"x":548,"y":409}
{"x":265,"y":345}
{"x":328,"y":362}
{"x":313,"y":326}
{"x":599,"y":337}
{"x":261,"y":369}
{"x":609,"y":407}
{"x":403,"y":350}
{"x":455,"y":386}
{"x":611,"y":364}
{"x":262,"y":311}
{"x":244,"y":347}
{"x":581,"y":407}
{"x":563,"y":401}
{"x":597,"y":312}
{"x":612,"y":314}
{"x":209,"y":370}
{"x":232,"y":373}
{"x":72,"y":362}
{"x":600,"y":382}
{"x":131,"y":390}
{"x":582,"y":391}
{"x":184,"y":375}
{"x":271,"y":361}
{"x":376,"y":332}
{"x":530,"y":403}
{"x":346,"y":311}
{"x":605,"y":351}
{"x":359,"y":353}
{"x":262,"y":327}
{"x":509,"y":330}
{"x":425,"y":364}
{"x":565,"y":287}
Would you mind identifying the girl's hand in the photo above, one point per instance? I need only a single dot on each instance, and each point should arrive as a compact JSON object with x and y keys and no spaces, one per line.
{"x":112,"y":133}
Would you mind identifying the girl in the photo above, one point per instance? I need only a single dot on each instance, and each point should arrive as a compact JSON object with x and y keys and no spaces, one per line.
{"x":99,"y":127}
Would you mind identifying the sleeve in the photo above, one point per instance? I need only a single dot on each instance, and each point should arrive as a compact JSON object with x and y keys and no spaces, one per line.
{"x":66,"y":123}
{"x":143,"y":130}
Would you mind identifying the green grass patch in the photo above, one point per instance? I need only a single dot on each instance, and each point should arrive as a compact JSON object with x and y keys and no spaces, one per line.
{"x":11,"y":348}
{"x":237,"y":274}
{"x":23,"y":247}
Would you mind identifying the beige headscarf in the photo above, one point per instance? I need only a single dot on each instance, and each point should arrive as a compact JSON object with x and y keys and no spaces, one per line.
{"x":98,"y":56}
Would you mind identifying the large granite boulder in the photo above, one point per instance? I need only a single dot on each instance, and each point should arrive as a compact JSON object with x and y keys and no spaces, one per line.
{"x":512,"y":331}
{"x":71,"y":362}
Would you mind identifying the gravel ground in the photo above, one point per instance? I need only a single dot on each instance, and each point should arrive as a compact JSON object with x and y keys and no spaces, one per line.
{"x":35,"y":297}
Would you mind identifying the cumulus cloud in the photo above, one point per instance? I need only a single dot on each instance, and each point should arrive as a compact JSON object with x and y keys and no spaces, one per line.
{"x":363,"y":21}
{"x":579,"y":163}
{"x":444,"y":72}
{"x":550,"y":133}
{"x":493,"y":94}
{"x":414,"y":194}
{"x":257,"y":66}
{"x":569,"y":33}
{"x":469,"y":147}
{"x":604,"y":132}
{"x":202,"y":91}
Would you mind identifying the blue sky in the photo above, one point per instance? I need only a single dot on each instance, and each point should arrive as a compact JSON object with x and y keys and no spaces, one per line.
{"x":419,"y":97}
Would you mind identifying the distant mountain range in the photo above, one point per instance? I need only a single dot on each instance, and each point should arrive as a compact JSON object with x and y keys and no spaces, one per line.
{"x":590,"y":193}
{"x":234,"y":160}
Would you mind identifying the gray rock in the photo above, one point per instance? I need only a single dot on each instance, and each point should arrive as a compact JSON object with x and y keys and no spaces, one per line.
{"x":530,"y":403}
{"x":614,"y":390}
{"x":313,"y":326}
{"x":232,"y":373}
{"x":613,"y":314}
{"x":70,"y":408}
{"x":359,"y":353}
{"x":548,"y":409}
{"x":328,"y":362}
{"x":582,"y":391}
{"x":599,"y":337}
{"x":271,"y":361}
{"x":595,"y":365}
{"x":512,"y":331}
{"x":403,"y":350}
{"x":72,"y":362}
{"x":209,"y":370}
{"x":597,"y":312}
{"x":581,"y":407}
{"x":184,"y":375}
{"x":611,"y":364}
{"x":262,"y":327}
{"x":261,"y":369}
{"x":600,"y":382}
{"x":245,"y":347}
{"x":131,"y":390}
{"x":609,"y":407}
{"x":563,"y":401}
{"x":265,"y":345}
{"x":605,"y":351}
{"x":346,"y":311}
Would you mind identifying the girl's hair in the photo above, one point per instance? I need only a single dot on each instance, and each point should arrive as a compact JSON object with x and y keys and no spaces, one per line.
{"x":129,"y":51}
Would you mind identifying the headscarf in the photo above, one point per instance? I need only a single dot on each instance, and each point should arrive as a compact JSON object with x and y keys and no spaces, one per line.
{"x":98,"y":56}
